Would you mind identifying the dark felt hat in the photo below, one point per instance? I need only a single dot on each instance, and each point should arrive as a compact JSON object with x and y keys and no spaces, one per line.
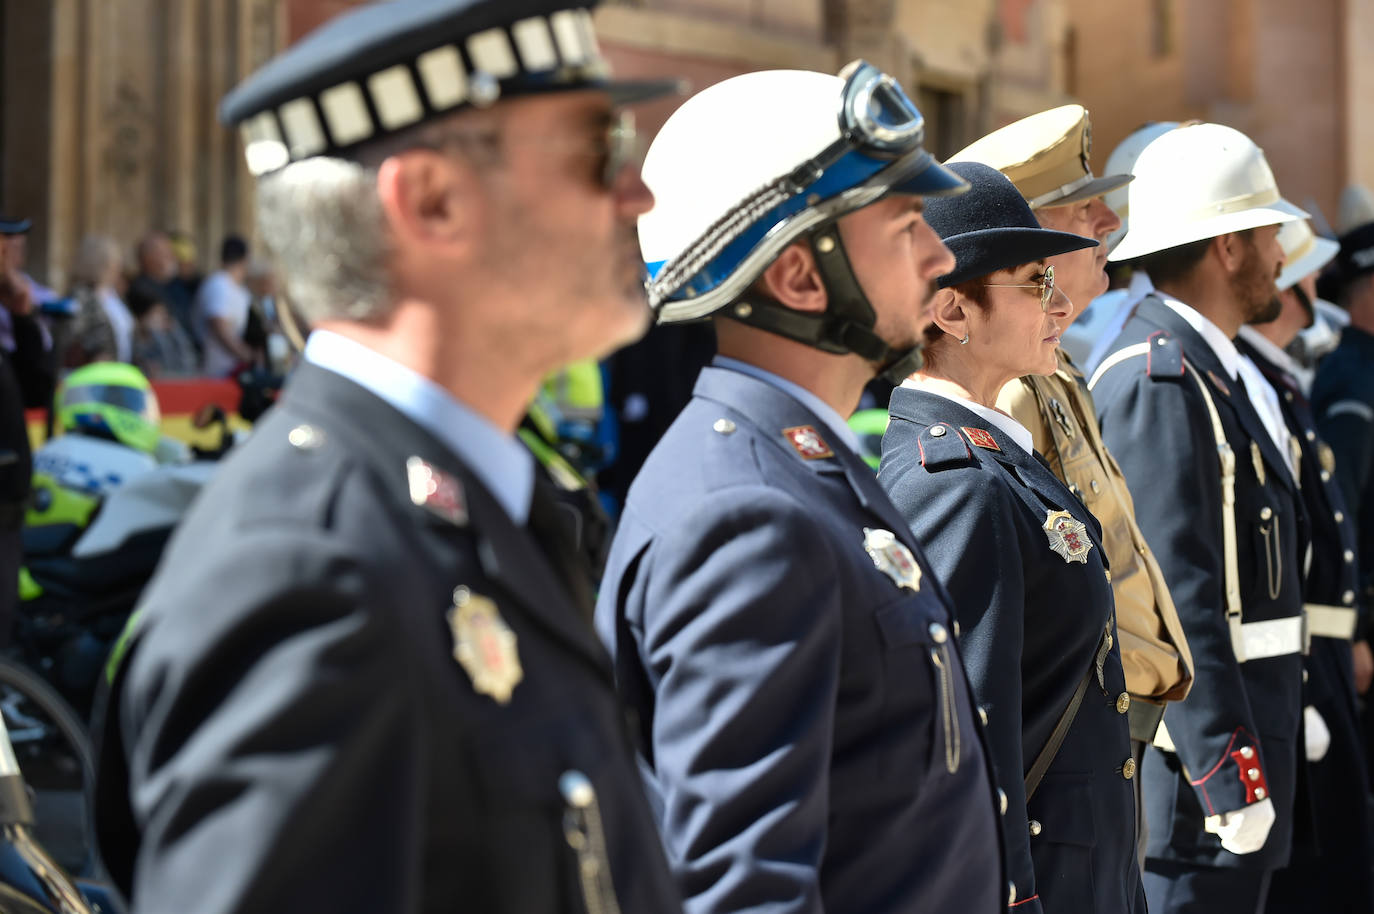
{"x":10,"y":226}
{"x":387,"y":66}
{"x":991,"y":227}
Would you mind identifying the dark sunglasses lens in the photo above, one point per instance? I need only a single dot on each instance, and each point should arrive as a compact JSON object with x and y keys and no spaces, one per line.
{"x":621,"y":144}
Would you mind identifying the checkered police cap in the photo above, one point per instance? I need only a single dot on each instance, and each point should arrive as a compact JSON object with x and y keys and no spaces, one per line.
{"x":388,"y":66}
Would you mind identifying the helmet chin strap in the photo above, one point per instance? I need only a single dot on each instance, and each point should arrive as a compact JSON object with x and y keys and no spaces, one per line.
{"x":847,"y":323}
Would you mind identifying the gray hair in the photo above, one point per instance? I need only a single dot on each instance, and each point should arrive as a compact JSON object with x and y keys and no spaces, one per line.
{"x":323,"y":222}
{"x":94,"y":257}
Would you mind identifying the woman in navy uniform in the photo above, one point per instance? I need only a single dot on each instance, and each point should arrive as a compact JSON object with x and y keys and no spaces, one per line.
{"x":1021,"y":556}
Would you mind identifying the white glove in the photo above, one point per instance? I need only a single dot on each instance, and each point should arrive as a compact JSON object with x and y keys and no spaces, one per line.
{"x":1244,"y":830}
{"x":1316,"y":734}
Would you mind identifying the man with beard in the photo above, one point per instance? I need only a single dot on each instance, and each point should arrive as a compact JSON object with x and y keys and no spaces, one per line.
{"x":1330,"y":868}
{"x":1047,"y":157}
{"x":1181,"y":411}
{"x":808,"y":734}
{"x":364,"y":678}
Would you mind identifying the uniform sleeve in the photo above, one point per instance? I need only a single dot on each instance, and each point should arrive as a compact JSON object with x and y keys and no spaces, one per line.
{"x":740,"y":617}
{"x":273,"y":748}
{"x":1348,"y":427}
{"x":963,"y":522}
{"x":1176,"y":484}
{"x":34,"y":365}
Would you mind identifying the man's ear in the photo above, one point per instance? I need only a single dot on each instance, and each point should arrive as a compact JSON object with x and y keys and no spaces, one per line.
{"x":793,"y":280}
{"x":949,"y":313}
{"x":430,"y":199}
{"x":1230,"y":251}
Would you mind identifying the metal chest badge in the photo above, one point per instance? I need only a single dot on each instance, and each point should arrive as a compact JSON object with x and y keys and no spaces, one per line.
{"x":892,"y":558}
{"x":484,"y":645}
{"x":1068,"y":537}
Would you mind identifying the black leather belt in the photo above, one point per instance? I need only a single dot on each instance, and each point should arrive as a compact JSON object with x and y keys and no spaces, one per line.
{"x":1144,"y":716}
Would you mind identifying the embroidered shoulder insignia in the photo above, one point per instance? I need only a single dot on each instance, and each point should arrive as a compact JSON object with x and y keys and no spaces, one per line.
{"x":1326,"y":456}
{"x":807,"y":442}
{"x":981,"y":438}
{"x":436,"y":491}
{"x":1218,"y":383}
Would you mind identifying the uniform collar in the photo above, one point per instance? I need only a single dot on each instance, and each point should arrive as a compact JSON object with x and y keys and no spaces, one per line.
{"x":1270,"y":352}
{"x":828,"y":415}
{"x":1004,"y":423}
{"x":498,"y":460}
{"x":1211,"y":334}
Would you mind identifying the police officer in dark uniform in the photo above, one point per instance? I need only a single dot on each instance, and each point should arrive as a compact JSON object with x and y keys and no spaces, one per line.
{"x":1022,"y":557}
{"x":27,"y":373}
{"x":1343,"y":391}
{"x":1330,"y":867}
{"x":364,"y":677}
{"x":1217,"y":504}
{"x":809,"y":738}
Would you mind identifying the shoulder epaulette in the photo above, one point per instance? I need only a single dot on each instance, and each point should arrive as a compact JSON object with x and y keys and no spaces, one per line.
{"x":1165,"y":356}
{"x":943,"y":447}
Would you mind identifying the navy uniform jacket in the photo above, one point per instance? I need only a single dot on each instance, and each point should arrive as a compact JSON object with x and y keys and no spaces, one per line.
{"x":1330,"y":869}
{"x":809,"y":738}
{"x":1343,"y":400}
{"x":1238,"y":716}
{"x":1034,"y":623}
{"x":290,"y":730}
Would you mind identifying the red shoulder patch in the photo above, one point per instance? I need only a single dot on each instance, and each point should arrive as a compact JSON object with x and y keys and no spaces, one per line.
{"x":807,"y":442}
{"x":980,"y":437}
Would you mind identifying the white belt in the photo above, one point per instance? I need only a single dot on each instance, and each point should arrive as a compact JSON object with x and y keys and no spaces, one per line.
{"x":1331,"y":621}
{"x":1273,"y":637}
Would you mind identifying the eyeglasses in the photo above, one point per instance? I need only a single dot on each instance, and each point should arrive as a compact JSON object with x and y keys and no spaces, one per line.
{"x":615,"y":144}
{"x":1045,"y":284}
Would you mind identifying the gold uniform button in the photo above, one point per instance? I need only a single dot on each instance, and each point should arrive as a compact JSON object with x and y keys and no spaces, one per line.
{"x":1108,"y":573}
{"x":1095,"y":487}
{"x":1035,"y":828}
{"x":937,"y":432}
{"x":1002,"y":800}
{"x":1011,"y":895}
{"x":1261,"y":793}
{"x":1340,"y":517}
{"x":1266,"y":512}
{"x":1348,"y":597}
{"x":956,"y":628}
{"x":938,"y":633}
{"x":1311,"y":435}
{"x":1247,"y":752}
{"x":1253,"y":774}
{"x":305,"y":437}
{"x":1349,"y":556}
{"x":1128,"y":769}
{"x":724,"y":427}
{"x":983,"y":715}
{"x":1326,"y":477}
{"x":1123,"y":703}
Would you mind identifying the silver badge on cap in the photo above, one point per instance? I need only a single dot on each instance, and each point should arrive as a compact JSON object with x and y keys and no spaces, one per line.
{"x":892,"y":558}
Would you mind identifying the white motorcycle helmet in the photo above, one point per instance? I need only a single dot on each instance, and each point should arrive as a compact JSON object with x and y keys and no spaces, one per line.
{"x":1199,"y":182}
{"x":752,"y":164}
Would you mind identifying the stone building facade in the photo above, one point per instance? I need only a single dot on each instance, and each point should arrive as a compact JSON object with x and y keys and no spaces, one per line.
{"x":108,"y":122}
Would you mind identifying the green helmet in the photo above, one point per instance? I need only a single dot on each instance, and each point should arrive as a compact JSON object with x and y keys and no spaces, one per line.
{"x":110,"y":400}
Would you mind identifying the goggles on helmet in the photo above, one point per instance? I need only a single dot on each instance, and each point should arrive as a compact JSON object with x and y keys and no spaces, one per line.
{"x":879,"y":149}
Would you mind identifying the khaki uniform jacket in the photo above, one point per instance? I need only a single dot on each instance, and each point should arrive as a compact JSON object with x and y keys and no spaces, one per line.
{"x":1059,"y":412}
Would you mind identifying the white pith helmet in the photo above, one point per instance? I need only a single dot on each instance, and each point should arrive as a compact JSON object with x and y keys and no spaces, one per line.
{"x":1304,"y":252}
{"x":750,"y":164}
{"x":1199,"y":182}
{"x":1122,"y":162}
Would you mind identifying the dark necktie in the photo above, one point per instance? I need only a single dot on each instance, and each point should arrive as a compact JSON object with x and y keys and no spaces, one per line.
{"x":555,"y":527}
